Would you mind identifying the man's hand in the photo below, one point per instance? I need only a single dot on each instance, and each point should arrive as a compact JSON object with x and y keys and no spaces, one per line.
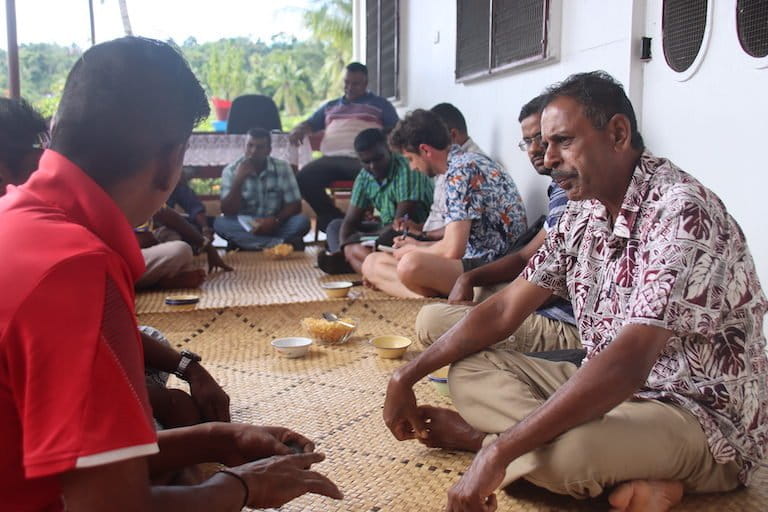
{"x":214,"y":259}
{"x":210,"y":399}
{"x":403,"y":247}
{"x":401,"y":224}
{"x":463,"y":290}
{"x":474,"y":492}
{"x":246,"y":443}
{"x":246,"y":167}
{"x":265,"y":225}
{"x":296,"y":136}
{"x":275,"y":481}
{"x":401,"y":414}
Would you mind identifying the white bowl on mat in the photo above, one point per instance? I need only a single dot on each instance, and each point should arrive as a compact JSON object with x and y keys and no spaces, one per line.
{"x":292,"y":347}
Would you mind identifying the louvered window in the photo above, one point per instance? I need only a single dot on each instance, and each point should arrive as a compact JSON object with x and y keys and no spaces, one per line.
{"x":683,"y":25}
{"x":494,"y":35}
{"x":381,"y":46}
{"x":752,"y":24}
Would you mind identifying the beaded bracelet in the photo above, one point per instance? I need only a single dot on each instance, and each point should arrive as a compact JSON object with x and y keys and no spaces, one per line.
{"x":242,"y":481}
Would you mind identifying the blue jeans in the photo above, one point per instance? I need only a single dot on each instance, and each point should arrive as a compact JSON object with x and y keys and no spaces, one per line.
{"x":291,"y":230}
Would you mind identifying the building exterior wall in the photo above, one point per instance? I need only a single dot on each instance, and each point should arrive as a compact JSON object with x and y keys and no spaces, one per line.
{"x":711,"y":124}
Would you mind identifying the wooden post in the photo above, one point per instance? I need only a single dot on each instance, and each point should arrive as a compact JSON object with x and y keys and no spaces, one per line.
{"x":14,"y":87}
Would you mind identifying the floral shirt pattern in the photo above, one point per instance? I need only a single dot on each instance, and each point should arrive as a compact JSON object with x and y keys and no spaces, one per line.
{"x":478,"y":189}
{"x":674,"y":259}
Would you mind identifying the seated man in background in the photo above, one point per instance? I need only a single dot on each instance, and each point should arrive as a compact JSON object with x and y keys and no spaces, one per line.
{"x":434,"y":226}
{"x":485,"y":214}
{"x":74,"y":415}
{"x":168,"y":244}
{"x":672,"y":396}
{"x":342,"y":119}
{"x":23,"y":133}
{"x":186,"y":199}
{"x":386,"y":184}
{"x":551,"y":327}
{"x":260,"y":200}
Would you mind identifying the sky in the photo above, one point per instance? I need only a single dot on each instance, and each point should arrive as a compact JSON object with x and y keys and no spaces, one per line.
{"x":67,"y":21}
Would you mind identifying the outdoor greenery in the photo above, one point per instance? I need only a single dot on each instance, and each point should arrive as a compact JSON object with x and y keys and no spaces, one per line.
{"x":298,"y":75}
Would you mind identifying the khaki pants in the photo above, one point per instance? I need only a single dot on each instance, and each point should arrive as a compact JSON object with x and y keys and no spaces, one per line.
{"x":166,"y":259}
{"x":639,"y":439}
{"x":536,"y":334}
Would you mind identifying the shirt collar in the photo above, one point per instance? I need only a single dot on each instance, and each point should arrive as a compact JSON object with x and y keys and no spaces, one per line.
{"x":639,"y":184}
{"x":63,"y":184}
{"x":357,"y":100}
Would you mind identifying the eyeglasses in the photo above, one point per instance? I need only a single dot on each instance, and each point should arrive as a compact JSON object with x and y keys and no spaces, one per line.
{"x":527,"y":142}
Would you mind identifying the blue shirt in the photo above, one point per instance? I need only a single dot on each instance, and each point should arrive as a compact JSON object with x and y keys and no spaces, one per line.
{"x":559,"y":309}
{"x":263,"y":194}
{"x":478,"y":189}
{"x":187,"y":199}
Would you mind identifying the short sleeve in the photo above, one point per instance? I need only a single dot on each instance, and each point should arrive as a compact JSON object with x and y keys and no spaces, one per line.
{"x":547,"y":267}
{"x":76,"y":372}
{"x":463,"y":200}
{"x":288,"y":182}
{"x":317,"y":120}
{"x":227,"y":177}
{"x":359,"y":196}
{"x":389,"y":117}
{"x":681,"y":280}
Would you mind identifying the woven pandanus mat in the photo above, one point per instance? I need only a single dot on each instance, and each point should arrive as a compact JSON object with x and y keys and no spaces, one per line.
{"x":335,"y":396}
{"x":257,"y":280}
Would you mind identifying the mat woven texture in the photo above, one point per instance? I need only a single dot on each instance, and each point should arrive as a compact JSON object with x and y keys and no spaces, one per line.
{"x":335,"y":394}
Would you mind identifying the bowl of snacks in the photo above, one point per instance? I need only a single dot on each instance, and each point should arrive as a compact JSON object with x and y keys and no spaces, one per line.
{"x":292,"y":347}
{"x":327,"y":331}
{"x":279,"y":251}
{"x":390,"y":346}
{"x":336,"y":289}
{"x":439,"y":380}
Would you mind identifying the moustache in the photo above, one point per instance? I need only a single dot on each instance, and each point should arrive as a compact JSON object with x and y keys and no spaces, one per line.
{"x":559,"y":175}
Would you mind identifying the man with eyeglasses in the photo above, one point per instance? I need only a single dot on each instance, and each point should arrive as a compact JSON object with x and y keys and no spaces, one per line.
{"x":23,"y":133}
{"x":553,"y":326}
{"x":387,"y":184}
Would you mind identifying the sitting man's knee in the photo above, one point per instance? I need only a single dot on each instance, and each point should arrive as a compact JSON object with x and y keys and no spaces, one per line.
{"x":410,"y":267}
{"x":180,"y":250}
{"x":430,"y":324}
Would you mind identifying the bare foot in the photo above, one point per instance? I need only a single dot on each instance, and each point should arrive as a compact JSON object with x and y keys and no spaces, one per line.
{"x":187,"y":279}
{"x":448,"y":430}
{"x":646,"y":496}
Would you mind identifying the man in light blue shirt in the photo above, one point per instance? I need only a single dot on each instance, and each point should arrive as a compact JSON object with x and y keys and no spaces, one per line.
{"x":260,"y":200}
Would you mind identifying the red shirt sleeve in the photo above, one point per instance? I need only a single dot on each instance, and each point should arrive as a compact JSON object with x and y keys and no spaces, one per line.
{"x":76,"y":372}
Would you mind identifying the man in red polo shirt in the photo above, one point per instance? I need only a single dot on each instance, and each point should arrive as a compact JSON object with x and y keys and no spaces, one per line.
{"x":75,"y":422}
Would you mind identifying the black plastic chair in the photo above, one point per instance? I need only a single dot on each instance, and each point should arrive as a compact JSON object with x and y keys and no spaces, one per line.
{"x":252,"y":111}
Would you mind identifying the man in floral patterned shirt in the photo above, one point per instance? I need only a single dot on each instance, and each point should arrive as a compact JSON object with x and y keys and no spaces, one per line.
{"x":671,"y":397}
{"x":484,"y":214}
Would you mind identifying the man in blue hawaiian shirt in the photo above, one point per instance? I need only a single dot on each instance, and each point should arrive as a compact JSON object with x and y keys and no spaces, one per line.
{"x":484,"y":213}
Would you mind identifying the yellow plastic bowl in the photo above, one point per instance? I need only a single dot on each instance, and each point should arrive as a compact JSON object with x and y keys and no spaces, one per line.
{"x":336,"y":289}
{"x":390,"y":346}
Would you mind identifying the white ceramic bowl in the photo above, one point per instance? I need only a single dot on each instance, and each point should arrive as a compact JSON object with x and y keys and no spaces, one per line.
{"x":336,"y":289}
{"x":292,"y":347}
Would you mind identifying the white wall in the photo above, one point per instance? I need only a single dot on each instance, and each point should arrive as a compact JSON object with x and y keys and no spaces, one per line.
{"x":711,"y":125}
{"x":715,"y":124}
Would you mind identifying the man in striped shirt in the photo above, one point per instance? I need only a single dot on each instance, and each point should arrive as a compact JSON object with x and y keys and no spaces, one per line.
{"x":388,"y":185}
{"x":340,"y":120}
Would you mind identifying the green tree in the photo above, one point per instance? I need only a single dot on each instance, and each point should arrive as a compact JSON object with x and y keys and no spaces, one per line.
{"x":330,"y":22}
{"x":225,"y":71}
{"x":290,"y":82}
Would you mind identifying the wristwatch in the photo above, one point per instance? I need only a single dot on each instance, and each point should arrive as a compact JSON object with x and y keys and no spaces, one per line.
{"x":187,"y":358}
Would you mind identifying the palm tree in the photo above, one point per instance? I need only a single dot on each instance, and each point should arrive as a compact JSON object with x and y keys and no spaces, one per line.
{"x":290,"y":82}
{"x":331,"y":23}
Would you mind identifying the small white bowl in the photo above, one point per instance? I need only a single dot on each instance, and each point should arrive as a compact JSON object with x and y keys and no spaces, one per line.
{"x":292,"y":347}
{"x":336,"y":289}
